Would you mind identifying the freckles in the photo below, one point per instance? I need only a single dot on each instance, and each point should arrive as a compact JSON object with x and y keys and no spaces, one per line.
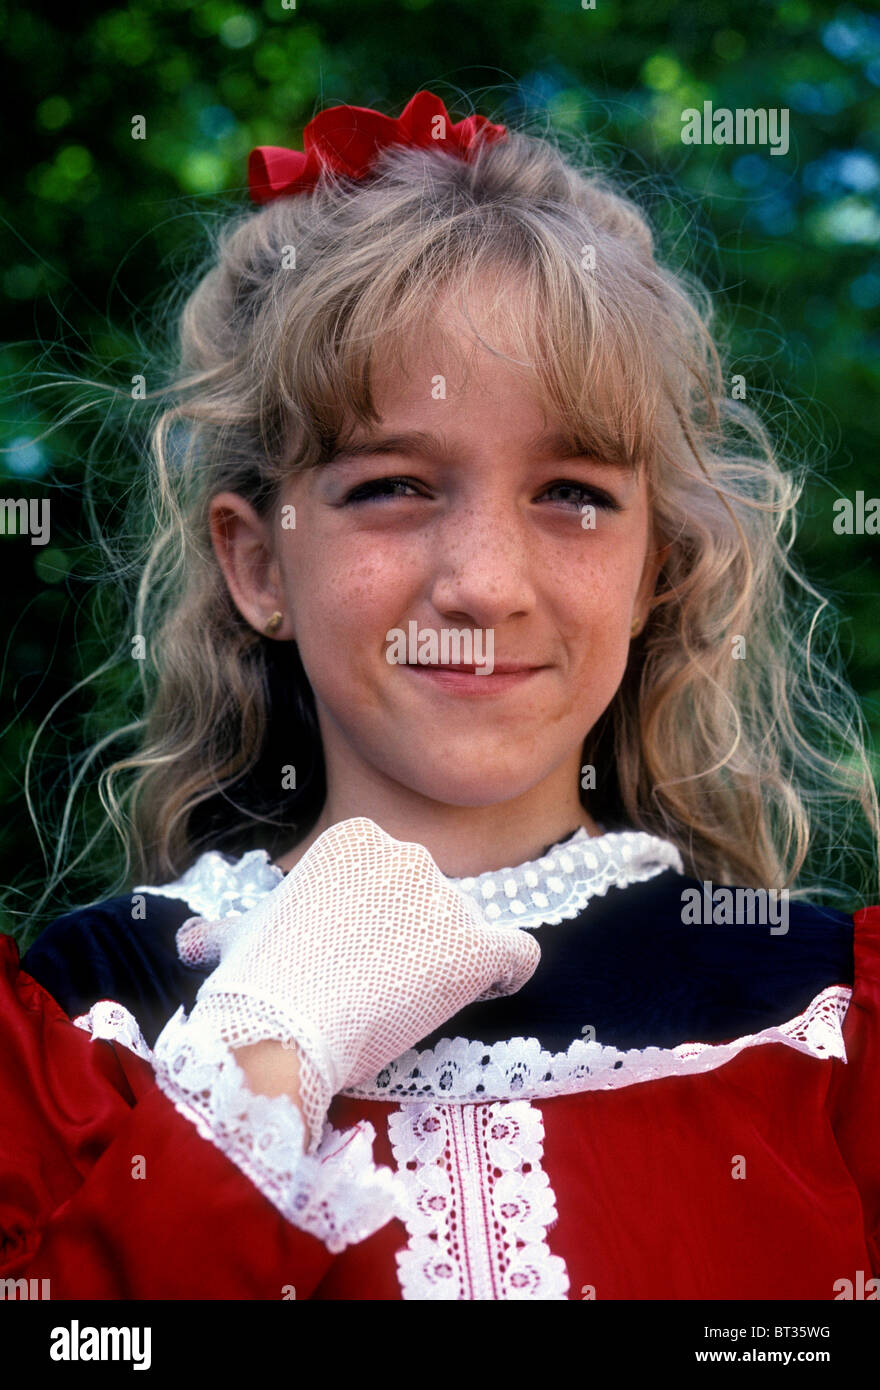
{"x":609,"y":574}
{"x":591,"y":594}
{"x":351,"y":591}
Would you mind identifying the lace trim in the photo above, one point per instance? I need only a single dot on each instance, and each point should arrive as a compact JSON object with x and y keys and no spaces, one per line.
{"x":460,"y":1071}
{"x":545,"y":891}
{"x":555,"y":888}
{"x":478,"y":1204}
{"x":337,"y":1194}
{"x":214,"y":886}
{"x":113,"y":1023}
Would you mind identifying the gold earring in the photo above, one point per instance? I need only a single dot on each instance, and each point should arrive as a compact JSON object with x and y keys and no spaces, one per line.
{"x":273,"y":624}
{"x":636,"y":627}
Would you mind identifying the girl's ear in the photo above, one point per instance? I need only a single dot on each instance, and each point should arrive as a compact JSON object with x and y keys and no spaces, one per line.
{"x":653,"y":564}
{"x":242,"y":545}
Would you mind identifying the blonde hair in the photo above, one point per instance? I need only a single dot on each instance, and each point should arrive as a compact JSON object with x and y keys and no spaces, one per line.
{"x":745,"y":764}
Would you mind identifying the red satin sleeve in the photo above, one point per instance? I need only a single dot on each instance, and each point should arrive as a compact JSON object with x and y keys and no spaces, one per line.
{"x":854,"y":1093}
{"x":106,"y":1191}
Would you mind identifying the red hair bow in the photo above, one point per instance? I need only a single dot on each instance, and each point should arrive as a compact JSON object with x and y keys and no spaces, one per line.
{"x":346,"y":138}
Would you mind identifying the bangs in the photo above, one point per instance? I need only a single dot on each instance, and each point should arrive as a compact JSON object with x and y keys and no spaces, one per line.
{"x":591,"y":341}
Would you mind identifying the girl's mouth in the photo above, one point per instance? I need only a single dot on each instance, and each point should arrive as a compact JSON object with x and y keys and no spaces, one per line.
{"x":468,"y":680}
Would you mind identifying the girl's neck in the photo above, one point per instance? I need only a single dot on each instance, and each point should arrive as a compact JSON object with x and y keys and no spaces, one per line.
{"x":465,"y":847}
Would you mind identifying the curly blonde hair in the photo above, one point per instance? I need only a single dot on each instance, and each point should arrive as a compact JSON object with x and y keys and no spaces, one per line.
{"x":745,"y":764}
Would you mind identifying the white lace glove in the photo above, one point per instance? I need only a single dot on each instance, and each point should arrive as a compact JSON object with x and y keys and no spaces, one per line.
{"x":359,"y":953}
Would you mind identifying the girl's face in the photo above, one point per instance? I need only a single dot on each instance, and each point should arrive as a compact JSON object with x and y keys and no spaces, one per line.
{"x":461,"y":512}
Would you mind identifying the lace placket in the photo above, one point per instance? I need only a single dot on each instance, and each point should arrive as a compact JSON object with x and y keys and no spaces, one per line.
{"x":477,"y":1203}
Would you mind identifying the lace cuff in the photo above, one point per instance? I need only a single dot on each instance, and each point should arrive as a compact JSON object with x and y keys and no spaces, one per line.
{"x":336,"y":1194}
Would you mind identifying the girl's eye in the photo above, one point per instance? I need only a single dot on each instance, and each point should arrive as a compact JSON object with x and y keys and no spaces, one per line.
{"x":378,"y":487}
{"x":394,"y":487}
{"x":584,"y":493}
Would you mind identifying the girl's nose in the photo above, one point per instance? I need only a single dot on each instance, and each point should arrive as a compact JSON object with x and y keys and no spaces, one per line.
{"x":482,"y":567}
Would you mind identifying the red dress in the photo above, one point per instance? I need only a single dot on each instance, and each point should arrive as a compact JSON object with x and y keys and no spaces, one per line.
{"x":728,"y":1172}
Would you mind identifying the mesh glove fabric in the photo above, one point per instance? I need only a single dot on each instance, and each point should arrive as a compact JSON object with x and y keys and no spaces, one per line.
{"x":362,"y":950}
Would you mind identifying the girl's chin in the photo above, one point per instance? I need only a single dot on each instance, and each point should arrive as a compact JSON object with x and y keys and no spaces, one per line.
{"x":472,"y":791}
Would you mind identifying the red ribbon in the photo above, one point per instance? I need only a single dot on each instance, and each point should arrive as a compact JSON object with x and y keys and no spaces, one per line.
{"x":346,"y":139}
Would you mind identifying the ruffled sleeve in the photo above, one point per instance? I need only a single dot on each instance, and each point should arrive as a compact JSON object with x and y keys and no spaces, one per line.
{"x":854,"y":1092}
{"x":127,"y":1174}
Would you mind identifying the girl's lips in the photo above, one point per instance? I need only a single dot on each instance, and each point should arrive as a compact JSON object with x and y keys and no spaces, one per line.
{"x":466,"y":681}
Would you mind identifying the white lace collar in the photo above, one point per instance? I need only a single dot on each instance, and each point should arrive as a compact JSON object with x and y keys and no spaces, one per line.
{"x":544,"y":891}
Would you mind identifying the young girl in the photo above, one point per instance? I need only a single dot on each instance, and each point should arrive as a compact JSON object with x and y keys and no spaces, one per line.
{"x":467,"y":954}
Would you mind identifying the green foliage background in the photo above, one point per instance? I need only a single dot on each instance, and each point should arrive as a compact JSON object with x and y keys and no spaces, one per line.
{"x":94,"y":224}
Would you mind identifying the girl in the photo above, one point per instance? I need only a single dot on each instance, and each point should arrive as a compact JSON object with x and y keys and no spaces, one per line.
{"x":467,"y":953}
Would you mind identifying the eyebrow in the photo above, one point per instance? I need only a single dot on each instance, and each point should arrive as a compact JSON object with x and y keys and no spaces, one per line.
{"x":552,"y":443}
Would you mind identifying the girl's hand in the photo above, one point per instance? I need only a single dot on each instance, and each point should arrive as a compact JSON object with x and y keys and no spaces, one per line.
{"x":362,"y":950}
